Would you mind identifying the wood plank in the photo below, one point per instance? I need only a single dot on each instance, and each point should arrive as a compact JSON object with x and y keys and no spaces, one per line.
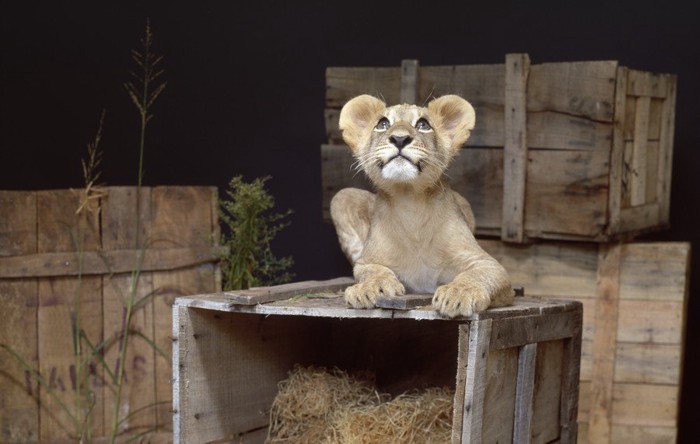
{"x":460,"y":382}
{"x":515,"y":152}
{"x":557,"y":131}
{"x":475,"y":387}
{"x":519,"y":331}
{"x":409,"y":82}
{"x":216,"y":401}
{"x":404,"y":302}
{"x":639,"y":153}
{"x":106,"y":262}
{"x":342,"y":84}
{"x":527,"y":357}
{"x":656,"y":116}
{"x":656,"y":322}
{"x":262,"y":295}
{"x":655,"y":271}
{"x":19,"y":411}
{"x":547,"y":392}
{"x":615,"y":186}
{"x":500,"y":398}
{"x":564,"y":188}
{"x":181,"y":216}
{"x":666,"y":135}
{"x":640,"y":218}
{"x":584,"y":89}
{"x":126,"y":225}
{"x":571,"y":356}
{"x":63,"y":301}
{"x":652,"y":171}
{"x":607,"y":313}
{"x":648,"y":84}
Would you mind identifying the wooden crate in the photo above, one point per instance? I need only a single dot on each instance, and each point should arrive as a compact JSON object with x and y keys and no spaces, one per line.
{"x":583,"y":150}
{"x":634,"y":297}
{"x":42,"y":273}
{"x":514,"y":369}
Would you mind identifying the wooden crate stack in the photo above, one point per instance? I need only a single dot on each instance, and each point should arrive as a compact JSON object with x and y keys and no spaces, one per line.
{"x":567,"y":163}
{"x":51,"y":256}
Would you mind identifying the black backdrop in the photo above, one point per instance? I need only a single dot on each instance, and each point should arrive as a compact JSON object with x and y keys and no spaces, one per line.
{"x":245,"y":93}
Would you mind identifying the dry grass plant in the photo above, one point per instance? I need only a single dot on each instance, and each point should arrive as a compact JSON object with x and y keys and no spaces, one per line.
{"x":88,"y":354}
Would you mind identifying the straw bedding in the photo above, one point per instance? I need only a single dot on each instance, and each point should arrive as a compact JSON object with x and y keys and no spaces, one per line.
{"x":318,"y":405}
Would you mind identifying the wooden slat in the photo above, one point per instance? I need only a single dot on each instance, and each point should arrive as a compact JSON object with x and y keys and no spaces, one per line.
{"x":524,"y":393}
{"x":641,"y":217}
{"x":644,"y":83}
{"x":655,"y":271}
{"x":342,"y":84}
{"x":19,"y":413}
{"x":584,"y":89}
{"x":615,"y":187}
{"x":253,"y":353}
{"x":515,"y":153}
{"x":558,"y":131}
{"x":460,"y":382}
{"x":120,"y":230}
{"x":639,"y":154}
{"x":668,"y":113}
{"x":500,"y":399}
{"x":409,"y":81}
{"x":607,"y":312}
{"x":282,"y":292}
{"x":105,"y":261}
{"x":61,"y":300}
{"x":404,"y":302}
{"x":547,"y":395}
{"x":173,"y":227}
{"x":520,"y":331}
{"x":565,"y":188}
{"x":475,"y":386}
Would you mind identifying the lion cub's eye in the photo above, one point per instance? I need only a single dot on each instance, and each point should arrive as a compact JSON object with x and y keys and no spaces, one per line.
{"x":423,"y":126}
{"x":383,"y":124}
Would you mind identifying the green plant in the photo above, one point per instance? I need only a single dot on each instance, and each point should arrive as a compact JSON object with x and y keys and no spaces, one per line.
{"x":251,"y":229}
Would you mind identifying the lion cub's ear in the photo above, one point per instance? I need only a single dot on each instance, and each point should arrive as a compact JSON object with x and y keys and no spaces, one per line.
{"x":453,"y":117}
{"x":357,"y":117}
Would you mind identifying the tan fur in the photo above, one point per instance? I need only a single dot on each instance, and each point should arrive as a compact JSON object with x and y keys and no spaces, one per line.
{"x":415,"y":232}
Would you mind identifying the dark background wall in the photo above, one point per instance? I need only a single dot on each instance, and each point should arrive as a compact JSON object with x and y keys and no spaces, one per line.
{"x":245,"y":93}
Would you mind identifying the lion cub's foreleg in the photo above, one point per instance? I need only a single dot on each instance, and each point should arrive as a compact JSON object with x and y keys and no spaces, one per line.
{"x":351,"y":209}
{"x":484,"y":283}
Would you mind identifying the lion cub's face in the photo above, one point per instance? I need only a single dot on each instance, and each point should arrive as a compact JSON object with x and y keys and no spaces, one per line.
{"x":405,"y":144}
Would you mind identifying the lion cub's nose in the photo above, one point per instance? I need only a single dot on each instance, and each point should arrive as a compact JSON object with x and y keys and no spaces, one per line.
{"x":400,"y":141}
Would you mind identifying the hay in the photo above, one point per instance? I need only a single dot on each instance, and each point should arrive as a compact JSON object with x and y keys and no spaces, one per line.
{"x":316,"y":405}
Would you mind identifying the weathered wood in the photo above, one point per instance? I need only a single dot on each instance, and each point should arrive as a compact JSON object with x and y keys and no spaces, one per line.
{"x":409,"y":81}
{"x":607,"y":313}
{"x":262,"y":295}
{"x":609,"y":128}
{"x":500,"y":397}
{"x":172,"y":227}
{"x":62,"y":302}
{"x":460,"y":383}
{"x":342,"y":84}
{"x":120,"y":230}
{"x":615,"y":187}
{"x":404,"y":302}
{"x":19,"y":419}
{"x":668,"y":116}
{"x":515,"y":153}
{"x":549,"y":390}
{"x":476,"y":377}
{"x":106,"y":261}
{"x":89,"y":294}
{"x":524,"y":394}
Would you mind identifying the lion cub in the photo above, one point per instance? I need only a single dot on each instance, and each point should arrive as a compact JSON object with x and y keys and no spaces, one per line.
{"x":415,"y":232}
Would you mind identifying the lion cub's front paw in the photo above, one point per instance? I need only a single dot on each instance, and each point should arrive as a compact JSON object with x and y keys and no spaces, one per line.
{"x":365,"y":294}
{"x":461,"y":299}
